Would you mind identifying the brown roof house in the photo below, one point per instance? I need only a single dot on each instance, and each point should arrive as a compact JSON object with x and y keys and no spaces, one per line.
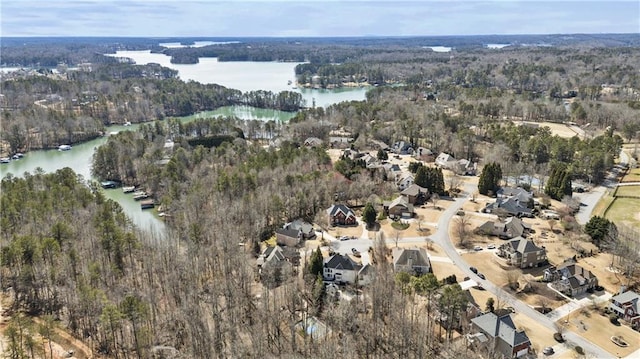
{"x":341,"y":215}
{"x":523,"y":253}
{"x":499,"y":336}
{"x":399,"y":207}
{"x":288,"y":237}
{"x":570,"y":278}
{"x":415,"y":194}
{"x":512,"y":227}
{"x":627,"y":306}
{"x":414,"y":261}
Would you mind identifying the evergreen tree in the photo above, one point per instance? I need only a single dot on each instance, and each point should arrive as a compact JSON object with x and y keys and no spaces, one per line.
{"x":598,"y":228}
{"x":382,"y":155}
{"x":315,"y":263}
{"x":369,"y":215}
{"x":490,"y":179}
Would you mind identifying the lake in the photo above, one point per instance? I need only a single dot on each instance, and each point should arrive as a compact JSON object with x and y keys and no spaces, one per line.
{"x":247,"y":76}
{"x":79,"y":159}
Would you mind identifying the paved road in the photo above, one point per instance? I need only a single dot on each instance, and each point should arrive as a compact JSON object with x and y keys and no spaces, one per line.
{"x":441,"y":237}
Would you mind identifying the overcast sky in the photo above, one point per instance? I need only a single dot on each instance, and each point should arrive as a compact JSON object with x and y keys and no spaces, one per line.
{"x":164,"y":18}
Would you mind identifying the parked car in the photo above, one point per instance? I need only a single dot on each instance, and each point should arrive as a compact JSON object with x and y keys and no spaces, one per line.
{"x":355,"y":252}
{"x":477,"y":248}
{"x":473,"y":269}
{"x":481,"y":275}
{"x":491,"y":246}
{"x":344,"y":238}
{"x":547,"y":351}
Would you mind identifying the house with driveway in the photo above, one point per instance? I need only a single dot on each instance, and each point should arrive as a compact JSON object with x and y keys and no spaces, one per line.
{"x":509,"y":206}
{"x":499,"y":336}
{"x":399,"y":207}
{"x":411,"y":260}
{"x":626,"y":305}
{"x":509,"y":228}
{"x":523,"y":253}
{"x":341,"y":215}
{"x":341,"y":268}
{"x":570,"y":278}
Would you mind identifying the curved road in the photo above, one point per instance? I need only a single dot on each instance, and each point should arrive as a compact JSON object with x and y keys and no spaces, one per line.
{"x":441,"y":237}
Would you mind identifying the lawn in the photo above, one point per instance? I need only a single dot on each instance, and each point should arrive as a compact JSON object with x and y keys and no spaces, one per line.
{"x":629,"y":191}
{"x":596,"y":328}
{"x":602,"y":205}
{"x":632,"y":176}
{"x":625,"y":210}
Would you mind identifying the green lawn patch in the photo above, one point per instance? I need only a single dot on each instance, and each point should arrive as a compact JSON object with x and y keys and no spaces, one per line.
{"x":628,"y":191}
{"x":400,"y":226}
{"x":625,"y":210}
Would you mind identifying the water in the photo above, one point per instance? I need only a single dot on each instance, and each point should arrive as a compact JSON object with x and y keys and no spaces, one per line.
{"x":497,"y":46}
{"x":79,"y":159}
{"x":438,"y":48}
{"x":248,"y":76}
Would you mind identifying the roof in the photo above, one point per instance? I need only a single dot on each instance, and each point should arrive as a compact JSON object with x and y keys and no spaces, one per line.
{"x":522,"y":245}
{"x":340,"y":261}
{"x":300,"y":224}
{"x":628,"y":296}
{"x":287,"y":232}
{"x":414,"y":190}
{"x":444,"y":157}
{"x":517,"y":192}
{"x":501,"y":327}
{"x":271,"y":255}
{"x":401,"y":201}
{"x":511,"y":205}
{"x":333,"y":210}
{"x":416,"y":257}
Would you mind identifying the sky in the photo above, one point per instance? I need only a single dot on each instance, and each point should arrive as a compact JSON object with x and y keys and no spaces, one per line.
{"x":313,"y":18}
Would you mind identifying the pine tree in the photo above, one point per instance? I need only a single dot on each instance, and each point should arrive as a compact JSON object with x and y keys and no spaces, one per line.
{"x":315,"y":263}
{"x":369,"y":214}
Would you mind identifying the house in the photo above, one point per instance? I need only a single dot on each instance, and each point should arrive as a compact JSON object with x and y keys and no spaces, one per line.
{"x":519,"y":193}
{"x":523,"y":253}
{"x":570,"y":278}
{"x":499,"y":334}
{"x":402,"y":148}
{"x":512,"y":227}
{"x":405,"y":181}
{"x":351,"y":154}
{"x":341,"y":215}
{"x":369,"y":160}
{"x":271,"y":257}
{"x":366,"y":275}
{"x":627,"y":306}
{"x":288,"y":237}
{"x":422,"y":153}
{"x":399,"y":207}
{"x":445,"y":160}
{"x":466,"y":168}
{"x":341,"y":268}
{"x":414,"y":261}
{"x":415,"y":194}
{"x":305,"y":229}
{"x":510,"y":206}
{"x":313,"y":142}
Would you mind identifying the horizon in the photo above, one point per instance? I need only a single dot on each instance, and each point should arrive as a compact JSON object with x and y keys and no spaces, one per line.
{"x":314,"y":18}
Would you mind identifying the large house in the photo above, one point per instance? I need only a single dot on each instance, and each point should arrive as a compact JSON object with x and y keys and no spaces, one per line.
{"x":405,"y":181}
{"x":445,"y":160}
{"x":522,"y":195}
{"x":510,"y":206}
{"x":341,"y":268}
{"x":627,"y":306}
{"x":305,"y":229}
{"x":570,"y":278}
{"x":288,"y":237}
{"x":402,"y":148}
{"x":415,"y":194}
{"x":414,"y":261}
{"x":523,"y":253}
{"x":498,"y":334}
{"x":341,"y":215}
{"x":399,"y":207}
{"x":512,"y":227}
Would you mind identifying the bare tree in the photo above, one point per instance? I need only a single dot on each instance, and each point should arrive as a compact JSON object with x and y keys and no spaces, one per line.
{"x":435,"y":198}
{"x":460,"y":227}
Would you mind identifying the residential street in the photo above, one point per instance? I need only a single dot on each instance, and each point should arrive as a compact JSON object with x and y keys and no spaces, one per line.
{"x":441,"y":237}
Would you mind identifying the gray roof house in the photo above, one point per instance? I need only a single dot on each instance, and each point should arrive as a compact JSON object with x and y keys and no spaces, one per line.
{"x":570,"y":278}
{"x":445,"y":160}
{"x":271,"y":257}
{"x":510,"y":228}
{"x":523,"y":253}
{"x":522,"y":195}
{"x":511,"y":206}
{"x":501,"y":335}
{"x":288,"y":237}
{"x":304,"y":228}
{"x":414,"y":260}
{"x":627,"y":306}
{"x":341,"y":268}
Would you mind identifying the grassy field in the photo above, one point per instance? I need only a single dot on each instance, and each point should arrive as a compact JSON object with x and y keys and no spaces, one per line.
{"x":628,"y":191}
{"x":602,"y":205}
{"x":625,"y":210}
{"x":632,"y":176}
